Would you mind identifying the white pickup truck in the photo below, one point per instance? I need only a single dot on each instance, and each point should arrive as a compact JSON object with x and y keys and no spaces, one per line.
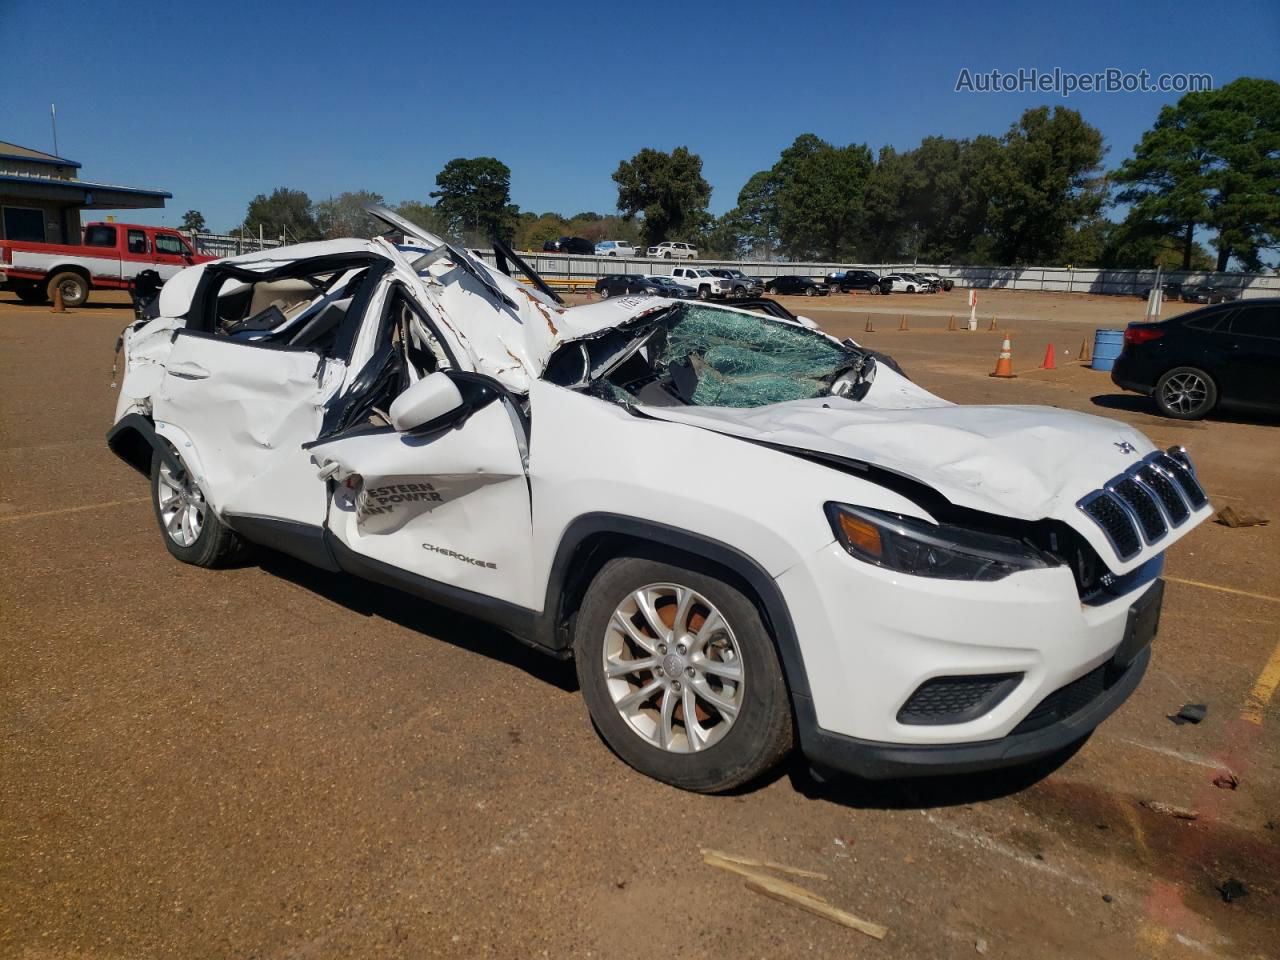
{"x":702,"y":282}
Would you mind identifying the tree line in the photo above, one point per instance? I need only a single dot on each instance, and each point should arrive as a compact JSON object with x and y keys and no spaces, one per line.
{"x":1036,"y":194}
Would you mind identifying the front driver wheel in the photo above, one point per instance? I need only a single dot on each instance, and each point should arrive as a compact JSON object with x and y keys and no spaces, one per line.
{"x":604,"y":294}
{"x":810,"y":291}
{"x":681,"y":676}
{"x":1186,"y":393}
{"x":773,"y":291}
{"x":192,"y":531}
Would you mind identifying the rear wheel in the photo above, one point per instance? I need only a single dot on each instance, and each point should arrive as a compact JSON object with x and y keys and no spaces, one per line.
{"x":667,"y":255}
{"x":73,"y":287}
{"x":810,"y":291}
{"x":1186,"y":393}
{"x":680,"y":675}
{"x":192,"y":531}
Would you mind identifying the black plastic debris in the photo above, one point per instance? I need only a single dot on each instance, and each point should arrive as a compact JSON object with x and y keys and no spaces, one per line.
{"x":1190,"y":713}
{"x":1106,"y":898}
{"x":1232,"y":889}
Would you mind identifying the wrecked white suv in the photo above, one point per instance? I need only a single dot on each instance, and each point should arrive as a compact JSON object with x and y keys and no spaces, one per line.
{"x":747,"y":534}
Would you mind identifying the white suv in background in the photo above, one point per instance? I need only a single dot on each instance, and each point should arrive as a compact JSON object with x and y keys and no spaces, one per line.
{"x":702,"y":282}
{"x":674,"y":251}
{"x":615,"y":248}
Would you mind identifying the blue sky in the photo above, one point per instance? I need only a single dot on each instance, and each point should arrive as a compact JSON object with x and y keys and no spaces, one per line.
{"x":221,"y":101}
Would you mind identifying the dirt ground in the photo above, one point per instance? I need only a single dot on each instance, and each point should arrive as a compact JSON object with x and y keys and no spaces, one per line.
{"x":272,"y":761}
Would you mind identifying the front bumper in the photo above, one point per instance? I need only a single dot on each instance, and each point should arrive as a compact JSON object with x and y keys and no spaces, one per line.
{"x":870,"y":638}
{"x":885,"y":761}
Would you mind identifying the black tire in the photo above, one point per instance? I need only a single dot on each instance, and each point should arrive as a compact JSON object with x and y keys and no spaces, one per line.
{"x":1185,"y":393}
{"x":604,"y":293}
{"x":704,"y":293}
{"x":216,"y":546}
{"x":762,"y":733}
{"x":31,"y":293}
{"x":773,"y":291}
{"x":810,"y":291}
{"x":74,"y":287}
{"x":667,"y":255}
{"x":910,"y":289}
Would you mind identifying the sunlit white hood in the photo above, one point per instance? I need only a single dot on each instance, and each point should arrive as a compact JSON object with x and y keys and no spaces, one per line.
{"x":1027,"y":462}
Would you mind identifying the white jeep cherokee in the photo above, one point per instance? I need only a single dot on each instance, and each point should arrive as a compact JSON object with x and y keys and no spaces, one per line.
{"x":746,"y":533}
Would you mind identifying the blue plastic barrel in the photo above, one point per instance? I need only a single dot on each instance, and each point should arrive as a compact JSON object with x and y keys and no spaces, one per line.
{"x":1107,"y":345}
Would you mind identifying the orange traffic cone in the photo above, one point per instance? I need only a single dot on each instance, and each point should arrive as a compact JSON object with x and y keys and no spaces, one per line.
{"x":1004,"y":363}
{"x":951,"y":324}
{"x":869,"y":327}
{"x":902,"y":324}
{"x":993,"y":322}
{"x":1086,"y":352}
{"x":58,"y":306}
{"x":1048,"y":360}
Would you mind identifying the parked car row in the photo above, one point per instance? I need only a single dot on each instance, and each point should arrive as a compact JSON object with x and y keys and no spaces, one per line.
{"x":667,"y":250}
{"x":1194,"y":293}
{"x":849,"y":281}
{"x":705,"y":284}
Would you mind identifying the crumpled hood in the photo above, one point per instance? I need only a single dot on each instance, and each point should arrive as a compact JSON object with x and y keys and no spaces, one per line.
{"x":1028,"y":462}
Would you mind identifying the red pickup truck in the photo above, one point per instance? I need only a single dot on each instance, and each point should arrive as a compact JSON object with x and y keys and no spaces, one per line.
{"x":111,"y":255}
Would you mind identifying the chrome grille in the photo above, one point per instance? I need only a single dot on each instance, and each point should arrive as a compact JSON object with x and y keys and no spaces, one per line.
{"x":1141,"y":504}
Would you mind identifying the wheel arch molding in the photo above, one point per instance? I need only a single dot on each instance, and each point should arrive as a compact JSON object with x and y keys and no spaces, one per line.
{"x":133,"y":439}
{"x":593,"y":539}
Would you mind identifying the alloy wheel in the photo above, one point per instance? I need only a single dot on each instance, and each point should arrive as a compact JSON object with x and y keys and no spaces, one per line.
{"x":673,"y":668}
{"x":182,"y":507}
{"x":1185,"y":392}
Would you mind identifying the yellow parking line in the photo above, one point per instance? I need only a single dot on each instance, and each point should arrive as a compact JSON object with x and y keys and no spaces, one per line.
{"x":1214,"y":586}
{"x":1264,"y":689}
{"x":65,"y":510}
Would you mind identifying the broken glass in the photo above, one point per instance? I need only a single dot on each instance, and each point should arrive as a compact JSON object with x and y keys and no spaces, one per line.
{"x":745,"y":360}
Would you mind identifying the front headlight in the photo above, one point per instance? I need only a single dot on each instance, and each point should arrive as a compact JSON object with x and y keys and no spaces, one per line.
{"x":924,"y":549}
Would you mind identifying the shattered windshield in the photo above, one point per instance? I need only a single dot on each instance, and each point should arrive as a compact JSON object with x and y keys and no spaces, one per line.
{"x":710,"y":356}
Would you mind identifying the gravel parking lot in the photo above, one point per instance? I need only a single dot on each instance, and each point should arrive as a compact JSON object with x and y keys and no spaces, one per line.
{"x":273,"y":761}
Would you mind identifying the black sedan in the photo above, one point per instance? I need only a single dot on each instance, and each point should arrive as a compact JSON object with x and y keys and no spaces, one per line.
{"x":621,"y":284}
{"x":570,"y":245}
{"x":1227,"y":355}
{"x":796,"y":287}
{"x":1206,"y":293}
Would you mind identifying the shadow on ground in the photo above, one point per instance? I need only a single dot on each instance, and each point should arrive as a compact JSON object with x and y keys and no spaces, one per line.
{"x":432,"y":621}
{"x":924,"y":792}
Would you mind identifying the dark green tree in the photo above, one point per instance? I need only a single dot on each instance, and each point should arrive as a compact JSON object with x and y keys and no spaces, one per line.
{"x":667,"y":189}
{"x":285,"y":213}
{"x":1045,"y":185}
{"x":193,"y":222}
{"x":1212,"y":160}
{"x":474,"y":199}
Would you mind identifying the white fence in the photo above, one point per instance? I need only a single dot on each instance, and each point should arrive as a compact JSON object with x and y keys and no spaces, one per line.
{"x":220,"y":245}
{"x":1058,"y":279}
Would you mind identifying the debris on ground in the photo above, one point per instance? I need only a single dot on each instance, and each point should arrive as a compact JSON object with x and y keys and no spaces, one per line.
{"x":1231,"y":517}
{"x":1190,"y":713}
{"x":1169,"y":810}
{"x":1226,"y":781}
{"x":980,"y":946}
{"x":1107,"y":898}
{"x":768,"y":864}
{"x":1232,"y":889}
{"x":790,"y":893}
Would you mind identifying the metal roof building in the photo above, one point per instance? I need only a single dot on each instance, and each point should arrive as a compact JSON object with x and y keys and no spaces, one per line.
{"x":41,"y":196}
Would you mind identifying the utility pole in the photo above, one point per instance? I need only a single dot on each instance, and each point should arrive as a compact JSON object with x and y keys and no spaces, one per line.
{"x":53,"y":121}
